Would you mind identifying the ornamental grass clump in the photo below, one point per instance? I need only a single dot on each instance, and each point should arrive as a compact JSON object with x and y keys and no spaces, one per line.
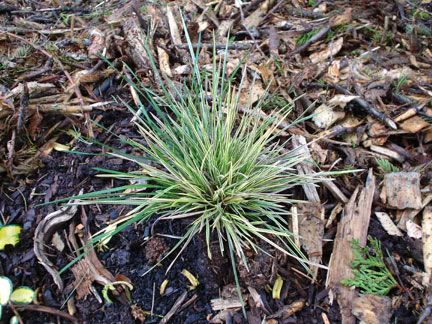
{"x":208,"y":157}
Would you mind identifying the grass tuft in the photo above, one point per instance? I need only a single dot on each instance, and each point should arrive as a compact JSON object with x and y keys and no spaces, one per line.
{"x":203,"y":160}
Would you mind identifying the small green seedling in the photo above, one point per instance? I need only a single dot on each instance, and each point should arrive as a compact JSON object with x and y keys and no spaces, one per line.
{"x":192,"y":279}
{"x":371,"y":275}
{"x":22,"y":295}
{"x":386,"y":166}
{"x":111,"y":287}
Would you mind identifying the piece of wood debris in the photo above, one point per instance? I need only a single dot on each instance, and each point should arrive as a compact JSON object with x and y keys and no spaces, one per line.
{"x":43,"y":232}
{"x":409,"y":214}
{"x":299,"y":144}
{"x":222,"y":303}
{"x":388,"y":224}
{"x":311,"y":231}
{"x":387,"y":152}
{"x":335,"y":211}
{"x":174,"y":30}
{"x":135,"y":37}
{"x":174,"y":309}
{"x":288,"y":310}
{"x":164,"y":61}
{"x":413,"y":230}
{"x":427,"y":241}
{"x":353,"y":226}
{"x":414,"y":124}
{"x":401,"y":190}
{"x":295,"y":226}
{"x":335,"y":191}
{"x":372,"y":309}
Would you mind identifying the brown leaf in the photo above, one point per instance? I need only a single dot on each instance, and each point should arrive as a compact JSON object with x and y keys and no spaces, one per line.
{"x":255,"y":18}
{"x":83,"y":279}
{"x":97,"y":46}
{"x":332,"y":49}
{"x":164,"y":62}
{"x":138,"y":313}
{"x":35,"y":121}
{"x":344,"y":18}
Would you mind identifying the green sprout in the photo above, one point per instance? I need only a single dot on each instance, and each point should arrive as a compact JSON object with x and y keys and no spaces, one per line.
{"x":371,"y":275}
{"x":303,"y":38}
{"x":111,"y":287}
{"x":400,"y":82}
{"x":386,"y":166}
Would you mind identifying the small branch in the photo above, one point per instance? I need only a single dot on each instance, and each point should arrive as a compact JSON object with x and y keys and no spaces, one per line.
{"x":233,"y":46}
{"x":46,"y":309}
{"x":366,"y":106}
{"x":174,"y":309}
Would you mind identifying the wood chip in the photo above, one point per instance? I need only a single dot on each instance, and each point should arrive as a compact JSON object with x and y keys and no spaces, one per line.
{"x":289,"y":310}
{"x":402,"y":190}
{"x":311,"y":230}
{"x":135,"y":38}
{"x":353,"y":225}
{"x":388,"y":224}
{"x":414,"y":124}
{"x":299,"y":143}
{"x":174,"y":30}
{"x":427,"y":242}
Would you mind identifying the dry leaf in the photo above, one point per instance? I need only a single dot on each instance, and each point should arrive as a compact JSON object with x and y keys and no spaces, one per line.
{"x":324,"y":116}
{"x":181,"y":70}
{"x":332,"y":49}
{"x":388,"y":224}
{"x":344,"y":18}
{"x":97,"y":46}
{"x":254,"y":19}
{"x":341,"y":100}
{"x":251,"y":95}
{"x":333,"y":72}
{"x":174,"y":30}
{"x":164,"y":62}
